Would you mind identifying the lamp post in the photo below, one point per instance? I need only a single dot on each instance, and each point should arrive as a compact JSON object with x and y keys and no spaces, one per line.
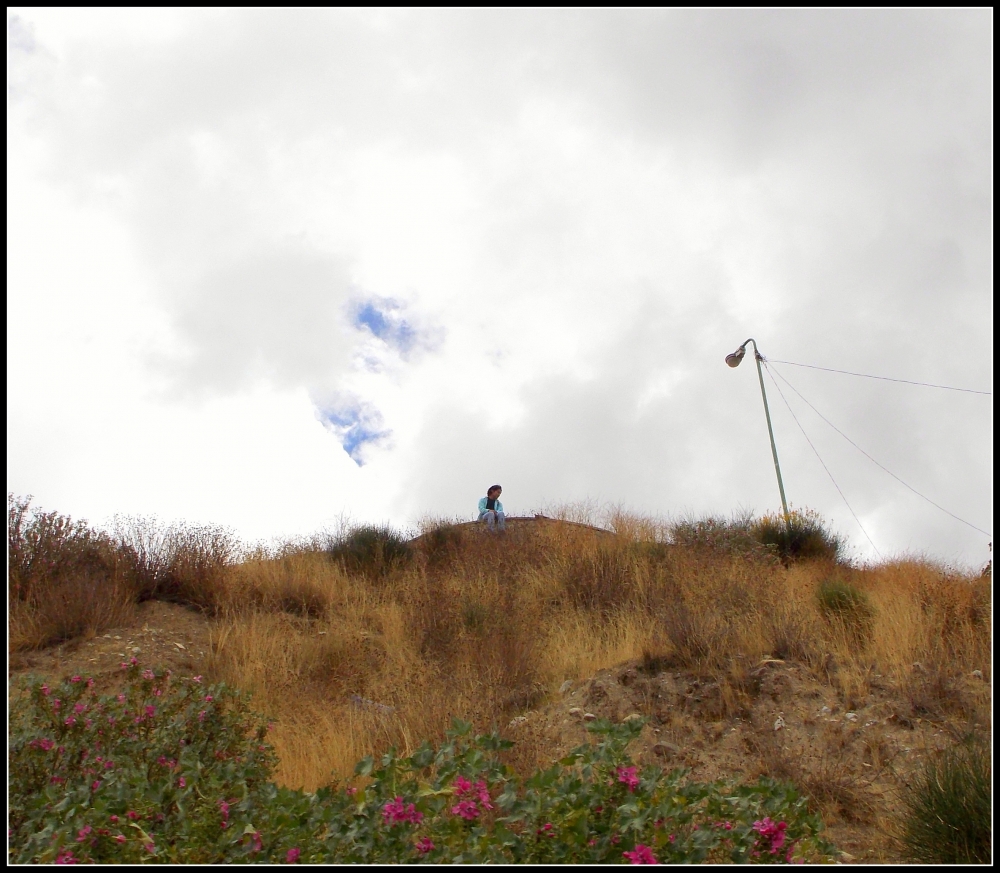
{"x":734,"y":361}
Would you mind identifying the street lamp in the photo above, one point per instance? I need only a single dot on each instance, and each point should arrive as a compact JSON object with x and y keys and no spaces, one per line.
{"x":734,"y":361}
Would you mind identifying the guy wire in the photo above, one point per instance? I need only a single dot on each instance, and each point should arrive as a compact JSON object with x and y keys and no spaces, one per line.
{"x":883,"y":378}
{"x":876,"y":463}
{"x":825,"y":467}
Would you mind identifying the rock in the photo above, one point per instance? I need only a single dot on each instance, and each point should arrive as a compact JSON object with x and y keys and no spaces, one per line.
{"x":179,"y":646}
{"x":978,"y":674}
{"x":779,"y":723}
{"x":918,"y":667}
{"x":825,"y":710}
{"x":517,"y":721}
{"x":589,"y":716}
{"x":665,"y":750}
{"x":632,"y":717}
{"x":851,"y":716}
{"x":576,"y":712}
{"x":566,"y":686}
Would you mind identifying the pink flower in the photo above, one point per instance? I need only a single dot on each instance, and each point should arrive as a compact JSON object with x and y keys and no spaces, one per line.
{"x":467,"y":809}
{"x":96,"y":784}
{"x":157,"y":692}
{"x":114,"y":819}
{"x":70,"y":721}
{"x":120,"y":839}
{"x":133,"y":661}
{"x":641,"y":855}
{"x":82,"y":835}
{"x":394,"y":812}
{"x":292,"y":856}
{"x":425,"y":845}
{"x":351,"y":790}
{"x":627,"y":775}
{"x":772,"y":834}
{"x":162,"y":760}
{"x":196,"y":679}
{"x":90,"y":683}
{"x":150,"y":711}
{"x":209,"y":698}
{"x":150,"y":847}
{"x":462,"y":785}
{"x":148,"y":674}
{"x":80,"y":707}
{"x":224,"y":809}
{"x":483,"y":793}
{"x":65,"y":856}
{"x":201,"y":715}
{"x":181,"y":782}
{"x":121,"y":698}
{"x":76,"y":679}
{"x":132,"y":814}
{"x":255,"y":836}
{"x":46,"y":690}
{"x":55,"y":705}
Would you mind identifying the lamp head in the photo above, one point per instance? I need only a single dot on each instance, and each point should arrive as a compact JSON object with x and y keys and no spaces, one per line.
{"x":734,"y":359}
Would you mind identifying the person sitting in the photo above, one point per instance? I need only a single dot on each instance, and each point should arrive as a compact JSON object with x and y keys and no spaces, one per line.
{"x":491,"y":509}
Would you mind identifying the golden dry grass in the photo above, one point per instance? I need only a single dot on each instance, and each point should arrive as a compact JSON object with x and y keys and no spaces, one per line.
{"x":484,"y":628}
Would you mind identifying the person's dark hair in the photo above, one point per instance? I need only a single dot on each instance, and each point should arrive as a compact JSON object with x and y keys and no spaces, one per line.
{"x":493,"y":488}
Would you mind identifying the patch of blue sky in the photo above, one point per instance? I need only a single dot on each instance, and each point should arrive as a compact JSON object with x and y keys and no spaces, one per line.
{"x":357,"y":425}
{"x":381,"y":317}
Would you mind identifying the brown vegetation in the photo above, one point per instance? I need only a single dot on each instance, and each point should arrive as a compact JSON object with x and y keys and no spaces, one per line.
{"x":350,"y":658}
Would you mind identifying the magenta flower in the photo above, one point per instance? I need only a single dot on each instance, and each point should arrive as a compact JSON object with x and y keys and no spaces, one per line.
{"x":80,"y":707}
{"x":641,"y":855}
{"x":90,"y":683}
{"x":70,"y":720}
{"x":114,"y":819}
{"x":394,"y":812}
{"x":628,"y":776}
{"x":120,"y":839}
{"x":65,"y":856}
{"x":772,"y":834}
{"x":76,"y":679}
{"x":82,"y":835}
{"x":95,"y":785}
{"x":224,"y":809}
{"x":255,"y":836}
{"x":150,"y":711}
{"x":425,"y":845}
{"x":483,"y":793}
{"x":46,"y":690}
{"x":181,"y":782}
{"x":56,"y":704}
{"x":148,"y":674}
{"x":209,"y":698}
{"x":292,"y":856}
{"x":467,"y":809}
{"x":462,"y":785}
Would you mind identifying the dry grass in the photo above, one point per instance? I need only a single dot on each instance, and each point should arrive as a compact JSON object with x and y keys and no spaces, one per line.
{"x":349,"y":662}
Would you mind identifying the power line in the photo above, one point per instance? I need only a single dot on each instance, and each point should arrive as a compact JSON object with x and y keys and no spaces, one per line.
{"x":876,"y":463}
{"x":883,"y":378}
{"x":815,"y":452}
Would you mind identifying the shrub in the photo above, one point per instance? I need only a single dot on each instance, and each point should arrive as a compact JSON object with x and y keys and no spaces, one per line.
{"x":371,"y":550}
{"x":177,"y":772}
{"x":842,"y":602}
{"x":63,"y":578}
{"x":948,"y":817}
{"x":803,"y":537}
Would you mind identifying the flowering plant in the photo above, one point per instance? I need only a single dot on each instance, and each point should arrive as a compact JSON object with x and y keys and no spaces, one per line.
{"x":177,"y":772}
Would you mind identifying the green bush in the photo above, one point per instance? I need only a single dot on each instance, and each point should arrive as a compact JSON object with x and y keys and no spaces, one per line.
{"x":842,"y":602}
{"x":371,"y":549}
{"x":804,"y":537}
{"x":949,"y":808}
{"x":178,"y":772}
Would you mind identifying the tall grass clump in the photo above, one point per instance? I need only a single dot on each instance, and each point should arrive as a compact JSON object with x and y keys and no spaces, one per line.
{"x":371,"y":549}
{"x":949,"y":810}
{"x":802,"y":537}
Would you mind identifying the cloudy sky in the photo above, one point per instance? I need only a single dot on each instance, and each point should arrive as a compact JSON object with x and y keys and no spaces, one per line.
{"x":274,"y":268}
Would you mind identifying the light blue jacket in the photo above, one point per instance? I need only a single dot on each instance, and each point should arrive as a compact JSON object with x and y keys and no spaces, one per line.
{"x":482,"y":505}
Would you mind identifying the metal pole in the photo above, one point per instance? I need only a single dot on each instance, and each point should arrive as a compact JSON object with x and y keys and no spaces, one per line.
{"x":770,"y":433}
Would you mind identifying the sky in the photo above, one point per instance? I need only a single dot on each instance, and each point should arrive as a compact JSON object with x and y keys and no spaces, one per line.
{"x":275,"y":269}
